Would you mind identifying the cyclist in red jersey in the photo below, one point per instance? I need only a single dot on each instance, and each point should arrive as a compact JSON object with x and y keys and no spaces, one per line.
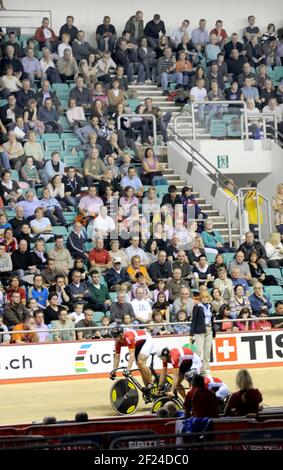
{"x":214,"y":384}
{"x":140,"y":345}
{"x":182,"y":359}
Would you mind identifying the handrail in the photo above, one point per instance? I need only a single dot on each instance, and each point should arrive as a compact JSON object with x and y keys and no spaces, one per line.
{"x":144,"y":116}
{"x":264,"y":117}
{"x":24,"y":11}
{"x":240,"y":198}
{"x":219,"y":176}
{"x":243,"y":109}
{"x":140,"y":325}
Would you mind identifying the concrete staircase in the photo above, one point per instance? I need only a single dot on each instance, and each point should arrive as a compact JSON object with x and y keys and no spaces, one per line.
{"x":184,"y":128}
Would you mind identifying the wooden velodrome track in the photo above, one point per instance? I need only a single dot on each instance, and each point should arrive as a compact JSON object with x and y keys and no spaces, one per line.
{"x":24,"y":403}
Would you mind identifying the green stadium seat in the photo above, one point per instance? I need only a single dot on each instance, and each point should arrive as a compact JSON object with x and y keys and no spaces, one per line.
{"x":210,"y":257}
{"x":89,"y":246}
{"x":65,"y":124}
{"x":60,"y":87}
{"x":133,"y":103}
{"x":56,"y":145}
{"x":3,"y":102}
{"x":14,"y":175}
{"x":276,"y":272}
{"x":275,"y":292}
{"x":59,"y":230}
{"x":232,"y":132}
{"x":10,"y":213}
{"x":218,"y":129}
{"x":73,"y":160}
{"x":113,"y":296}
{"x":96,"y":317}
{"x":49,"y":246}
{"x":49,"y":137}
{"x":228,"y":257}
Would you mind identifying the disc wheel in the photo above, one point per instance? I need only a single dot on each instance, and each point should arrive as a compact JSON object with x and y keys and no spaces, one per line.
{"x":124,"y":397}
{"x":160,"y":402}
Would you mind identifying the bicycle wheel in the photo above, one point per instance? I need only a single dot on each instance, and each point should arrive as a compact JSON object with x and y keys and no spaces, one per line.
{"x":161,"y":402}
{"x":167,"y":384}
{"x":124,"y":397}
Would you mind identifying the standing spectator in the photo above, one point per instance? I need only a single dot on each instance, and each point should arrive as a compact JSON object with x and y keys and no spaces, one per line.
{"x":220,"y":33}
{"x":277,"y":206}
{"x":251,"y":29}
{"x":202,"y":328}
{"x":134,"y":26}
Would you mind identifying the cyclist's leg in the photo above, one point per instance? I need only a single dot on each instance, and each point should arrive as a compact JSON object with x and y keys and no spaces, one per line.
{"x":144,"y":353}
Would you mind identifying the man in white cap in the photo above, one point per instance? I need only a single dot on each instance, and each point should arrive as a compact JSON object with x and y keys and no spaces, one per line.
{"x":117,"y":276}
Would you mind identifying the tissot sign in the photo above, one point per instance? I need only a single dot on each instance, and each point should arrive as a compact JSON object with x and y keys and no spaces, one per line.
{"x":262,"y":347}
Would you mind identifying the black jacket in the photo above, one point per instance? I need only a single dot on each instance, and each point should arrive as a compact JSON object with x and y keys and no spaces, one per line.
{"x":198,"y":321}
{"x":255,"y":246}
{"x":160,"y":271}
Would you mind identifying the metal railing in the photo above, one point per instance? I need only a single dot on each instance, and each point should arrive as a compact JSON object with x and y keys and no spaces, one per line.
{"x":143,"y":116}
{"x":24,"y":14}
{"x":219,"y":177}
{"x":132,"y":326}
{"x":240,"y":198}
{"x":239,"y":106}
{"x":268,"y":122}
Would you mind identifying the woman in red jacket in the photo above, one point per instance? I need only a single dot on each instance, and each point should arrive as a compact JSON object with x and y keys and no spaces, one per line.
{"x":247,"y":399}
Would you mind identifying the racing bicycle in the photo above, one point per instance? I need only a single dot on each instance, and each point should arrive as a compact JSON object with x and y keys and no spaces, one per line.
{"x":124,"y":393}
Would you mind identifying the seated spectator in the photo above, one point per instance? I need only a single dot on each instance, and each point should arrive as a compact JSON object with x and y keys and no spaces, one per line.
{"x":93,"y":168}
{"x":61,"y":256}
{"x":69,"y":28}
{"x":67,"y":66}
{"x":141,"y":307}
{"x":151,"y":168}
{"x":52,"y":208}
{"x":183,"y":302}
{"x":99,"y":257}
{"x":34,"y":148}
{"x":4,"y":338}
{"x":81,"y":48}
{"x":50,"y":117}
{"x":243,"y":322}
{"x":10,"y":81}
{"x":258,"y":299}
{"x":30,"y":335}
{"x":240,"y":263}
{"x":32,"y":68}
{"x":6,"y":266}
{"x":46,"y":36}
{"x":200,"y":36}
{"x":159,"y":330}
{"x":64,"y":326}
{"x":212,"y":49}
{"x":78,"y":313}
{"x":226,"y":324}
{"x":201,"y":273}
{"x":29,"y":172}
{"x":76,"y":241}
{"x":239,"y":301}
{"x":175,"y":284}
{"x":48,"y":67}
{"x":81,"y":94}
{"x":98,"y":293}
{"x":65,"y":44}
{"x":262,"y":322}
{"x":212,"y":238}
{"x":53,"y":309}
{"x":89,"y":205}
{"x":247,"y":399}
{"x":258,"y":273}
{"x":183,"y":329}
{"x":140,"y":282}
{"x":46,"y":92}
{"x":136,"y":267}
{"x":87,"y":322}
{"x":77,"y":289}
{"x":274,"y":251}
{"x":216,"y":300}
{"x":38,"y":292}
{"x":117,"y":275}
{"x":14,"y":151}
{"x":277,"y":322}
{"x":201,"y":401}
{"x":115,"y":95}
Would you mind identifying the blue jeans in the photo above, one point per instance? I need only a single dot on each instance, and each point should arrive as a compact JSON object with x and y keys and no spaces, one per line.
{"x":172,"y":77}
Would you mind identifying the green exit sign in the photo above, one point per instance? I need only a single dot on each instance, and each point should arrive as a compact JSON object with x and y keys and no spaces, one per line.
{"x":222,"y":161}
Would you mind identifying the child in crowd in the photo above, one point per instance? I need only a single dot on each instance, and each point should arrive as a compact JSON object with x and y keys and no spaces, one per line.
{"x":182,"y":329}
{"x":32,"y":306}
{"x":263,"y":323}
{"x":160,"y":288}
{"x":141,"y":283}
{"x":162,"y":305}
{"x":244,"y":324}
{"x":128,"y":322}
{"x":225,"y":314}
{"x":156,"y":329}
{"x":106,"y":332}
{"x":78,"y":313}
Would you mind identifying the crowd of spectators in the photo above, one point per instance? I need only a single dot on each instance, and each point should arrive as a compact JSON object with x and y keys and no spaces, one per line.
{"x":127,"y":253}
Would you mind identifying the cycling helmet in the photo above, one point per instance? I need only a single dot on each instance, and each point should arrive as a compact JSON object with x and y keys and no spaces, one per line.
{"x":190,"y":374}
{"x":165,"y":352}
{"x":115,"y":332}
